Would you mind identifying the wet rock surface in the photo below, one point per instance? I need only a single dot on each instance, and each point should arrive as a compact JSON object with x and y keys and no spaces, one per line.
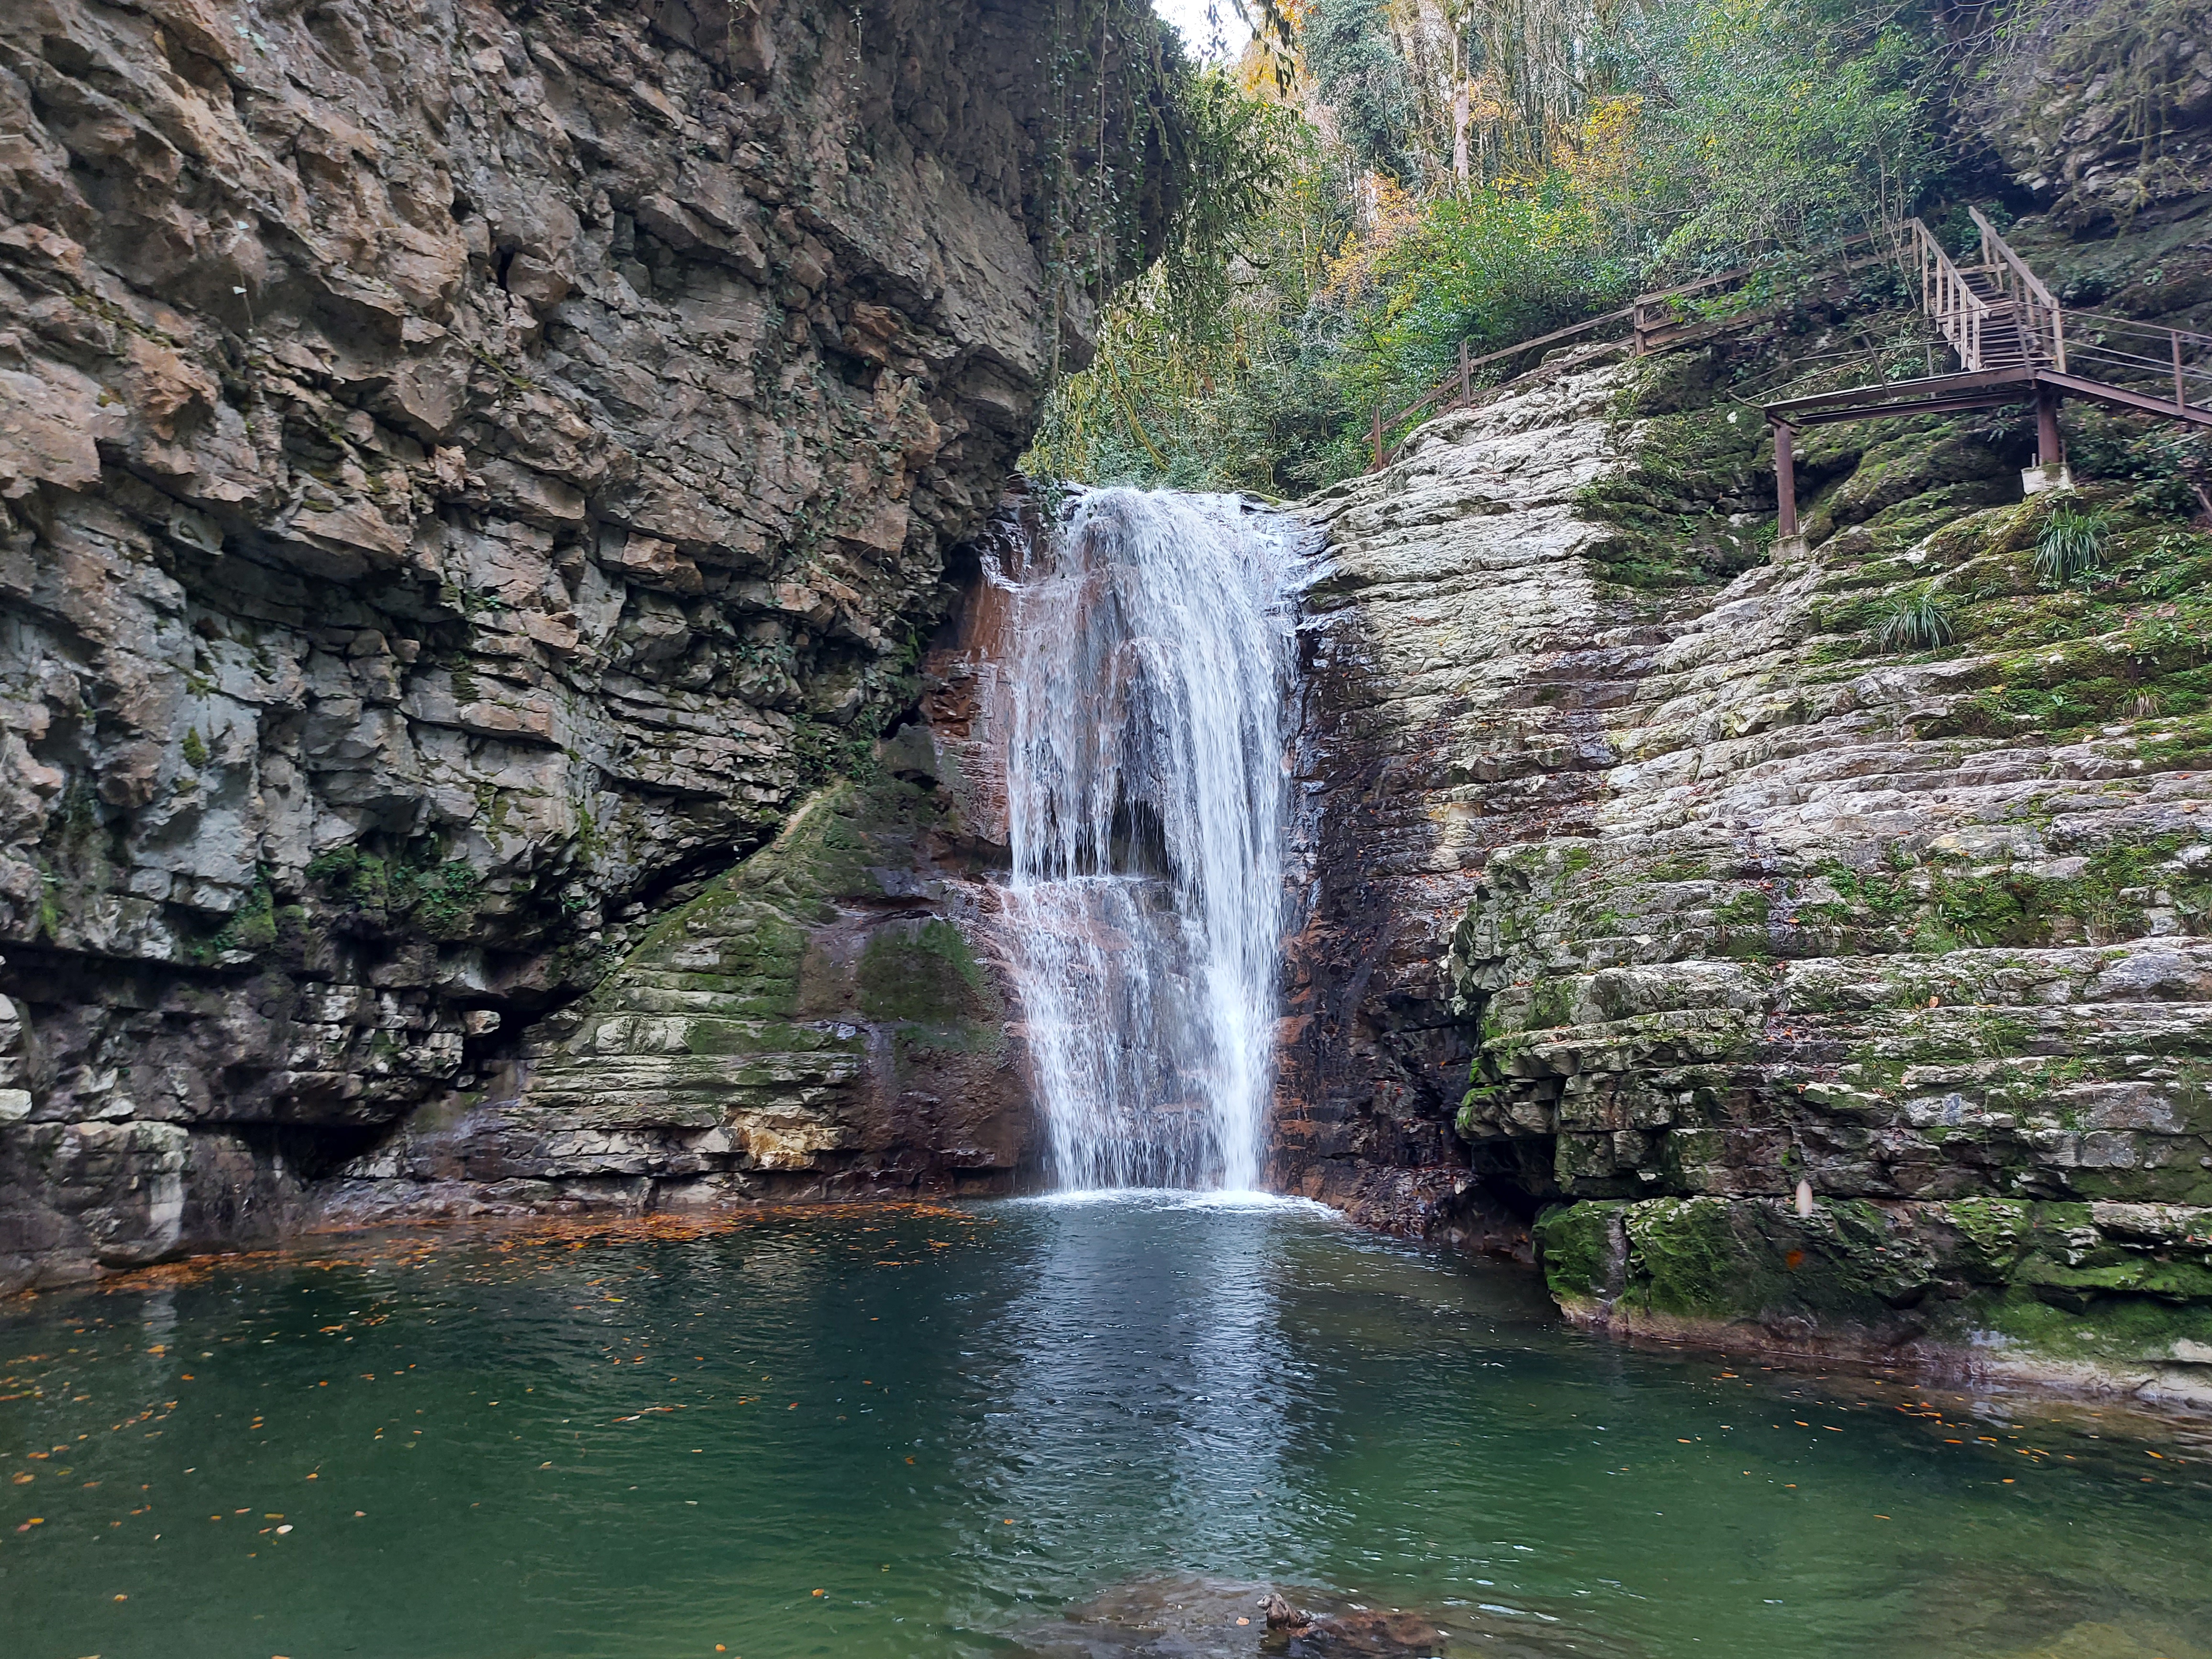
{"x":1457,"y":664}
{"x":829,"y":1020}
{"x":1817,"y":991}
{"x":467,"y":470}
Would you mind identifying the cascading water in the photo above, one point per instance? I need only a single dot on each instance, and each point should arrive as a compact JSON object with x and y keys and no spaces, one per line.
{"x":1146,"y":794}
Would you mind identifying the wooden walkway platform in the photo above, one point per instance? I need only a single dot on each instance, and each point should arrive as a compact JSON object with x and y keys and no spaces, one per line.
{"x":2015,"y":343}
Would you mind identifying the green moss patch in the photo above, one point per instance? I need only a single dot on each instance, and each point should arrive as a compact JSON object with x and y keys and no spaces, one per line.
{"x":2050,"y":1278}
{"x":926,"y":975}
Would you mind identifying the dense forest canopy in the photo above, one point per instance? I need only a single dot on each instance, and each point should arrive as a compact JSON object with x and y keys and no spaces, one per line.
{"x":1377,"y":181}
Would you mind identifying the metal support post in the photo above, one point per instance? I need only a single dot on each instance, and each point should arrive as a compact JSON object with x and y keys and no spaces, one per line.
{"x":1785,"y":482}
{"x":1789,"y":540}
{"x":2049,"y":471}
{"x":2047,"y":450}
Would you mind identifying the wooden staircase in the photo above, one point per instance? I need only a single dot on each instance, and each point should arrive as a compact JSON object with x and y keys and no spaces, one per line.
{"x":2005,"y":342}
{"x":2014,"y":343}
{"x":1995,"y":313}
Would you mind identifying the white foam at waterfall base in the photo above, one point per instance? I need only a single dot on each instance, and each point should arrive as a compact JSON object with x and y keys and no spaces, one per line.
{"x":1147,"y":794}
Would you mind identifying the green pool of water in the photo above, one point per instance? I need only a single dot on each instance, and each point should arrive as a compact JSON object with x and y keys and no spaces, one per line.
{"x":862,"y":1432}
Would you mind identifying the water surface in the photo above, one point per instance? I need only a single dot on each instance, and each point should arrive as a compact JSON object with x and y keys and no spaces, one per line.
{"x":933,"y":1431}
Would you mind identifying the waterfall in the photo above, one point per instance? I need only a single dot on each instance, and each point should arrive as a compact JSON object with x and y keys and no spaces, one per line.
{"x":1146,"y":798}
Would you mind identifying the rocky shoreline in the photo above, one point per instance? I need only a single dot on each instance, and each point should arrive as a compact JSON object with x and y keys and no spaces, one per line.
{"x":1817,"y":996}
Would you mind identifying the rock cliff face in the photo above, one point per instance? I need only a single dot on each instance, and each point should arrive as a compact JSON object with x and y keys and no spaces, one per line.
{"x":466,"y":469}
{"x":1824,"y":941}
{"x":2102,"y":110}
{"x":830,"y":1018}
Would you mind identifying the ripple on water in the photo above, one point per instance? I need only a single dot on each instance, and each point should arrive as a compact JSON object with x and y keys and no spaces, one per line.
{"x":971,"y":1430}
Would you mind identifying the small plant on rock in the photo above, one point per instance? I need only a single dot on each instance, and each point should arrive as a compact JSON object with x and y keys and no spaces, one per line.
{"x":2071,"y":547}
{"x":1917,"y":622}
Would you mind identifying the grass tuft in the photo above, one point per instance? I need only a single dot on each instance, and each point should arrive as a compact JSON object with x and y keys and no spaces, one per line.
{"x":2071,"y":547}
{"x":1915,"y":622}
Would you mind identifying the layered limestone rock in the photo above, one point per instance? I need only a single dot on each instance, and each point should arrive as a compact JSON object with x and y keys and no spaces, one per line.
{"x":831,"y":1018}
{"x":1827,"y":947}
{"x":2102,"y":110}
{"x":465,"y":469}
{"x":1457,"y":662}
{"x":815,"y":1023}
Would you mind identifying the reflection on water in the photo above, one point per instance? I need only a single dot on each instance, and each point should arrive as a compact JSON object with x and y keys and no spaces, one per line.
{"x":1037,"y":1427}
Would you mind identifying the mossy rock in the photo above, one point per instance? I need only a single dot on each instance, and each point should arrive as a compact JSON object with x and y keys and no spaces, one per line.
{"x":925,"y":974}
{"x":1576,"y":1245}
{"x":2044,"y":1278}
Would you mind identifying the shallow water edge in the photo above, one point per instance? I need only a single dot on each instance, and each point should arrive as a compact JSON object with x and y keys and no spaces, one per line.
{"x":2055,"y":1383}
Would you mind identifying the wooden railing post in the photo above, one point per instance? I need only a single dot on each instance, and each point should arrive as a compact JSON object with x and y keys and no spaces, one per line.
{"x":2180,"y":402}
{"x":1957,"y":311}
{"x":1466,"y":382}
{"x":1378,"y":438}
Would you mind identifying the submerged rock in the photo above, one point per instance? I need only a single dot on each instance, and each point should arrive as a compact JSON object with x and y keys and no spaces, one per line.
{"x":1352,"y":1633}
{"x":1196,"y":1617}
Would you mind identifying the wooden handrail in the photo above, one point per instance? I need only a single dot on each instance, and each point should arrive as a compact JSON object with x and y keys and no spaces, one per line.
{"x":1632,"y":314}
{"x":1993,"y":243}
{"x":1947,"y":297}
{"x":2037,"y":305}
{"x":2107,"y":317}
